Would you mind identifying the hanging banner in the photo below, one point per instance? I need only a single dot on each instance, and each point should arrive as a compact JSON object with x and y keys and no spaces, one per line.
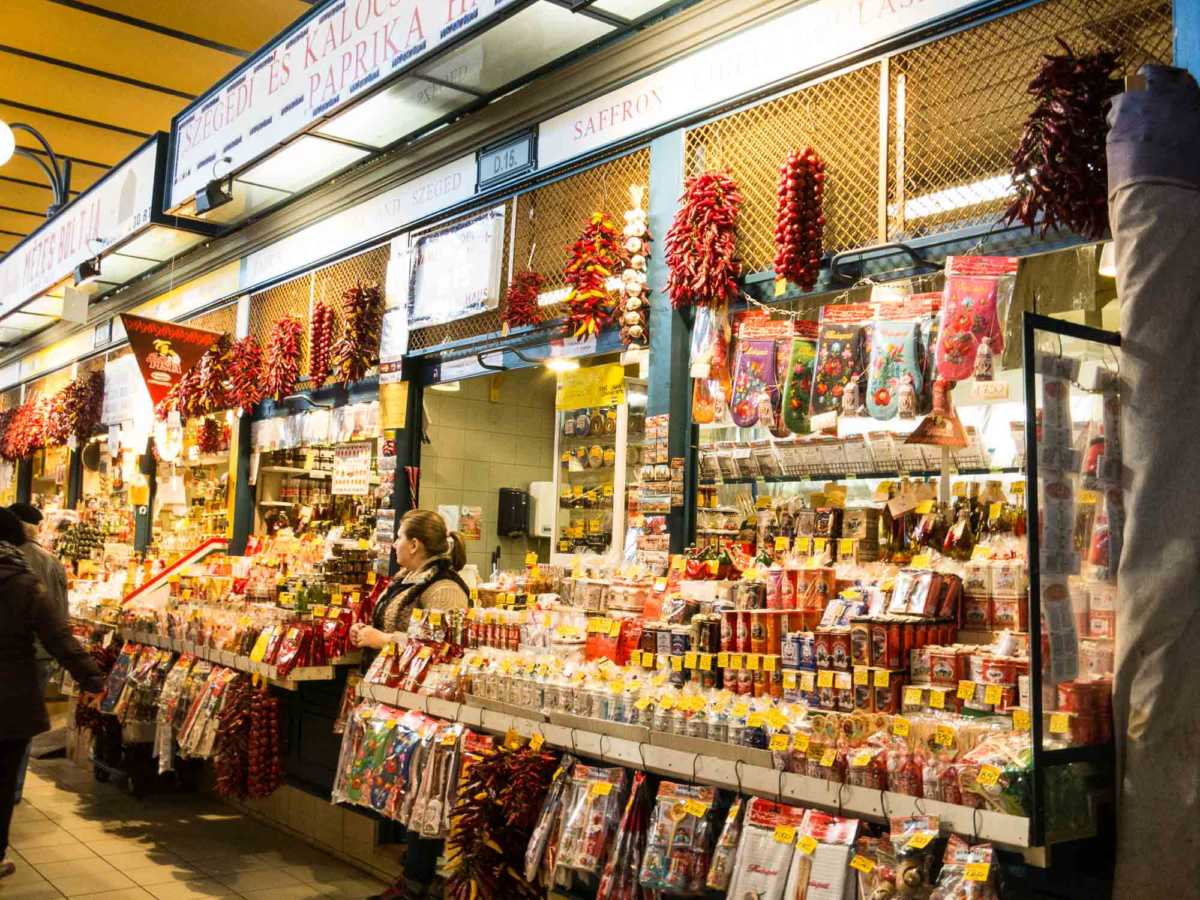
{"x":165,"y":351}
{"x":595,"y":386}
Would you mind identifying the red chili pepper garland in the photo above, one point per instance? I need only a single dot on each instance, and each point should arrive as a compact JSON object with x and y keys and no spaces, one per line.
{"x":283,"y":358}
{"x":58,"y":424}
{"x":6,"y":418}
{"x":521,"y":299}
{"x":798,"y":220}
{"x":209,"y":438}
{"x":85,"y":405}
{"x":26,"y":432}
{"x":264,"y":769}
{"x":230,"y":746}
{"x":595,"y":258}
{"x":701,"y":247}
{"x":247,"y":373}
{"x":358,"y":349}
{"x":212,"y":377}
{"x":1060,"y":168}
{"x":320,"y":343}
{"x":498,"y":806}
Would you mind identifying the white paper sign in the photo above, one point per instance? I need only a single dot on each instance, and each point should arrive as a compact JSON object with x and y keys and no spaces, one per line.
{"x":456,"y":272}
{"x":123,"y":390}
{"x":352,"y":469}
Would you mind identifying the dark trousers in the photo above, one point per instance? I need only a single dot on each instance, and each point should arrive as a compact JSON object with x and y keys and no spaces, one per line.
{"x":11,"y":753}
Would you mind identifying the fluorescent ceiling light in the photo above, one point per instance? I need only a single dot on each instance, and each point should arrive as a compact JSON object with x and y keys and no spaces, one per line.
{"x":1108,"y":260}
{"x":303,"y":162}
{"x":395,"y":112}
{"x":560,"y":364}
{"x":962,"y":196}
{"x":160,"y":242}
{"x":627,"y":9}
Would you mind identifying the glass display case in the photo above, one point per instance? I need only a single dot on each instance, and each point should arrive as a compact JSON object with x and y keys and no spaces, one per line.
{"x":596,"y":466}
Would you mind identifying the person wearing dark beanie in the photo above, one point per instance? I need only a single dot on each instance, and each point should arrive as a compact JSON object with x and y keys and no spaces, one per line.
{"x":26,"y":614}
{"x":47,"y":567}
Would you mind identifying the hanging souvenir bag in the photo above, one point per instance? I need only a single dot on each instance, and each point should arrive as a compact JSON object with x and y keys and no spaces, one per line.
{"x":839,"y":361}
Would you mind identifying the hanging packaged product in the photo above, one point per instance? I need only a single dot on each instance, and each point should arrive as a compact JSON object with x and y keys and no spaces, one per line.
{"x":721,"y":868}
{"x":758,"y":373}
{"x":619,"y":879}
{"x":797,"y":391}
{"x":764,"y":853}
{"x":680,"y":838}
{"x":977,"y":295}
{"x":548,"y":819}
{"x":591,"y":812}
{"x":838,"y":374}
{"x":819,"y":867}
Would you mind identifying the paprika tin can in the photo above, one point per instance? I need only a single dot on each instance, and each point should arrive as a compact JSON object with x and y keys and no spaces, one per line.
{"x":758,"y":633}
{"x":728,"y":627}
{"x":790,"y":649}
{"x":774,"y":642}
{"x":860,"y":642}
{"x":821,"y":649}
{"x":839,"y":649}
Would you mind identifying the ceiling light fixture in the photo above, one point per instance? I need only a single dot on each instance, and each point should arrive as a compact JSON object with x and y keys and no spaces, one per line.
{"x":216,"y":193}
{"x":57,"y":171}
{"x":556,"y":364}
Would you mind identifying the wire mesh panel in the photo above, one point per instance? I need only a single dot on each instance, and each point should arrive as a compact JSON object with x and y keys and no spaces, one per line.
{"x":48,"y":385}
{"x":839,"y":118}
{"x":960,"y":103}
{"x":223,"y":320}
{"x":10,"y":399}
{"x":295,"y":298}
{"x":541,"y":226}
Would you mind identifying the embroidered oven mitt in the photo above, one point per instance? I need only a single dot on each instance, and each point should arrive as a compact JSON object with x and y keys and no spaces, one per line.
{"x":798,"y":384}
{"x":839,"y":357}
{"x":895,"y":354}
{"x":754,"y":382}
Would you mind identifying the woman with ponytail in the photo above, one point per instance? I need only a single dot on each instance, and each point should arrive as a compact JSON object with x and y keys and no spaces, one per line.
{"x":430,"y":556}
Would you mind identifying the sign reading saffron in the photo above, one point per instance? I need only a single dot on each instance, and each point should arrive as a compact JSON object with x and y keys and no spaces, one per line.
{"x":341,"y":52}
{"x":165,"y":351}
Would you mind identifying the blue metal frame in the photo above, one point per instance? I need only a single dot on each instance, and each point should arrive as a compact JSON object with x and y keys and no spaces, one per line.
{"x":1187,"y":35}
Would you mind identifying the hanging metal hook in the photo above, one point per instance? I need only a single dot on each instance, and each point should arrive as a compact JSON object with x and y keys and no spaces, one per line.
{"x":603,"y":754}
{"x":641,"y":755}
{"x":976,"y":820}
{"x":737,"y":771}
{"x":840,"y":799}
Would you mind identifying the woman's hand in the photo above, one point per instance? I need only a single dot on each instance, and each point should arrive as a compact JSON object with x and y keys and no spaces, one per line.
{"x":366,"y":636}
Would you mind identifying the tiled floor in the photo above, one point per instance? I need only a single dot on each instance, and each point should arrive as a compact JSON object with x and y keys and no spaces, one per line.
{"x":73,"y":837}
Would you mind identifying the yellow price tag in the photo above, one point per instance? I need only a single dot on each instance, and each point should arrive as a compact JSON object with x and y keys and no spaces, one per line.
{"x":678,"y":563}
{"x":536,"y":742}
{"x":943,"y":735}
{"x":781,"y":545}
{"x":371,"y":578}
{"x":1060,"y":723}
{"x":800,"y":742}
{"x":883,"y":678}
{"x":981,"y":553}
{"x":806,"y":844}
{"x":861,"y":675}
{"x":768,"y":662}
{"x":602,"y":788}
{"x":1020,"y":718}
{"x":789,"y":679}
{"x":511,"y":738}
{"x":803,"y":546}
{"x":988,"y":776}
{"x":706,"y":662}
{"x":735,"y":661}
{"x":418,"y":615}
{"x":435,"y":617}
{"x":756,"y":720}
{"x":531,"y":558}
{"x":614,"y":628}
{"x":924,"y":508}
{"x":828,"y":758}
{"x":861,"y":760}
{"x":921,"y":561}
{"x":937,"y":699}
{"x":825,"y":678}
{"x":819,"y":545}
{"x":677,"y":663}
{"x":695,"y":808}
{"x":993,"y":694}
{"x":977,"y":871}
{"x":845,"y":547}
{"x":807,"y":682}
{"x":647,"y":660}
{"x":920,"y":840}
{"x":785,"y":834}
{"x":642,"y":703}
{"x":778,"y":743}
{"x":862,"y":864}
{"x":741,"y":710}
{"x":752,"y":662}
{"x":966,"y":690}
{"x":901,"y":726}
{"x":722,"y":660}
{"x":780,"y":286}
{"x":690,"y":660}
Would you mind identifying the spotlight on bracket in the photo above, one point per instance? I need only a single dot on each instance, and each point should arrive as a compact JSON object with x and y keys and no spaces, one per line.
{"x":216,"y":193}
{"x":87,"y":271}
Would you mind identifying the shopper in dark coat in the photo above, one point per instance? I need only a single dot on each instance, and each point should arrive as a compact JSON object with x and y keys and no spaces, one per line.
{"x":25,"y":613}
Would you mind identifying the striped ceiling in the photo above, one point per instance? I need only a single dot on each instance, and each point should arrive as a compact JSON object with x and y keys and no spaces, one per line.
{"x":98,"y":77}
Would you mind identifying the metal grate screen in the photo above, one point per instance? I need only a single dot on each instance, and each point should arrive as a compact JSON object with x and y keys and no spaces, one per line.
{"x":542,"y":225}
{"x":295,"y":297}
{"x":223,"y":320}
{"x":955,"y":108}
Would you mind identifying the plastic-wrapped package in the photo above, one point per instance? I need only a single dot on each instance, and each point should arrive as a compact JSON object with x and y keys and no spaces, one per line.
{"x":548,"y":818}
{"x":164,"y":732}
{"x":590,"y":815}
{"x":976,"y":297}
{"x":821,"y":871}
{"x":764,"y":853}
{"x":679,"y":839}
{"x":952,"y":882}
{"x":721,"y":868}
{"x":619,"y":880}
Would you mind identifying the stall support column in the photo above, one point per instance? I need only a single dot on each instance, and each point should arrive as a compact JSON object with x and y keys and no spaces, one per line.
{"x":408,"y":453}
{"x":24,"y":480}
{"x":242,"y":500}
{"x":74,"y":478}
{"x":1187,"y":36}
{"x":670,"y":333}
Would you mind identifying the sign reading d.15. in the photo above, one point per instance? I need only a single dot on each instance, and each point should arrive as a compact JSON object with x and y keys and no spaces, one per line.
{"x":507,"y":159}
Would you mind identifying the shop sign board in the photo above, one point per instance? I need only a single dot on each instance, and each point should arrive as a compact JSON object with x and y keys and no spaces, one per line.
{"x":386,"y":213}
{"x":341,"y":52}
{"x":817,"y":34}
{"x":105,"y":214}
{"x":456,"y":272}
{"x":593,"y":386}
